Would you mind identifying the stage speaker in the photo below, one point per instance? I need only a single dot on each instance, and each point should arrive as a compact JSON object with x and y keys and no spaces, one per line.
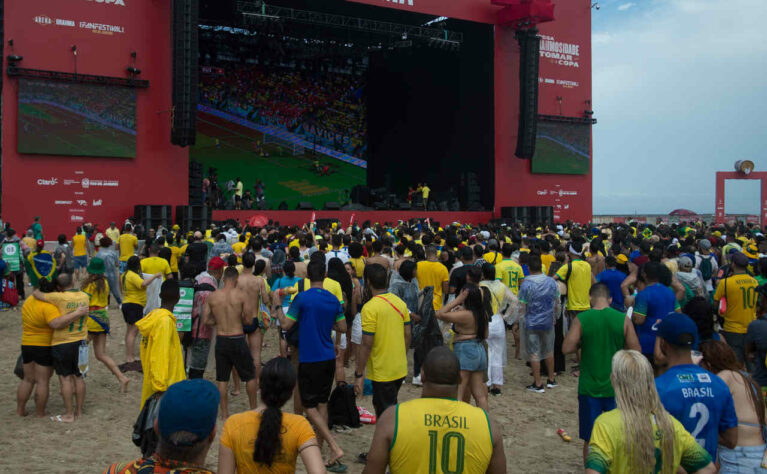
{"x":360,"y":195}
{"x":153,"y":216}
{"x":529,"y":51}
{"x":305,"y":206}
{"x":380,"y":206}
{"x":283,"y":206}
{"x":332,"y":206}
{"x":195,"y":183}
{"x":192,"y":217}
{"x":185,"y":71}
{"x":546,"y":215}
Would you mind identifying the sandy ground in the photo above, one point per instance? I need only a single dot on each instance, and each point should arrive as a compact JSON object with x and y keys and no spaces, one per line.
{"x":529,"y":420}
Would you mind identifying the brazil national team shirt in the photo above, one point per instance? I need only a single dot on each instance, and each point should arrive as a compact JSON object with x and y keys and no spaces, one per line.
{"x":700,"y":400}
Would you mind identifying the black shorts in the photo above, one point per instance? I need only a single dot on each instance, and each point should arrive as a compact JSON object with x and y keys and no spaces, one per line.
{"x":233,"y":351}
{"x":40,"y":355}
{"x":315,"y":379}
{"x":385,"y":395}
{"x":132,"y":312}
{"x":65,"y":358}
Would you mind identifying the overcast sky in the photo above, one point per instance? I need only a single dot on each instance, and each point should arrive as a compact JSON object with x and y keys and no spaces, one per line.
{"x":680,"y":92}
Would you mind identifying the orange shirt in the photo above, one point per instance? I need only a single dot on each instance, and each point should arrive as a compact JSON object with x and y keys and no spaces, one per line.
{"x":239,"y":435}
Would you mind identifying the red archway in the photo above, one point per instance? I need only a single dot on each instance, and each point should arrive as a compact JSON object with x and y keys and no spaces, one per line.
{"x":722,"y":176}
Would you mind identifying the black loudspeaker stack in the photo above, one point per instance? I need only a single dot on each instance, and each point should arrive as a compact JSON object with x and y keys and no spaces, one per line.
{"x":192,"y":217}
{"x":185,"y":71}
{"x":529,"y":53}
{"x":305,"y":206}
{"x":529,"y":215}
{"x":195,"y":183}
{"x":332,"y":206}
{"x":153,"y":216}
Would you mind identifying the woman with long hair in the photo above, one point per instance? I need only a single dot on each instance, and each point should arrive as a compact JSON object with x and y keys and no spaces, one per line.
{"x":700,"y":310}
{"x":355,"y":305}
{"x":266,"y":439}
{"x":640,"y":436}
{"x":337,"y":271}
{"x":287,"y":280}
{"x":470,"y":314}
{"x":134,"y":300}
{"x":96,"y":287}
{"x":720,"y":359}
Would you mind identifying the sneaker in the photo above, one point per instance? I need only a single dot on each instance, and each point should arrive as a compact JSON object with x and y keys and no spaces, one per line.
{"x":495,"y":391}
{"x":417,"y":381}
{"x":533,"y":388}
{"x":551,"y":384}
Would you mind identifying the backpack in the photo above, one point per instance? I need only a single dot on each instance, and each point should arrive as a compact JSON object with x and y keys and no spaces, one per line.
{"x":10,"y":295}
{"x":342,"y":407}
{"x":706,"y":268}
{"x":291,"y":335}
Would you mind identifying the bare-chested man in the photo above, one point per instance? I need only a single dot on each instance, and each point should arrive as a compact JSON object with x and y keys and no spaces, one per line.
{"x":228,"y":309}
{"x":254,"y":288}
{"x":377,"y":257}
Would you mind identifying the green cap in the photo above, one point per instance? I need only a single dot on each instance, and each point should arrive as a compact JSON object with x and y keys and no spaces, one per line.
{"x":96,"y":266}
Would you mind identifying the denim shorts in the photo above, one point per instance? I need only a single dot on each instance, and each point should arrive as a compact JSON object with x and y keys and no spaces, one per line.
{"x":471,"y":355}
{"x":742,"y":459}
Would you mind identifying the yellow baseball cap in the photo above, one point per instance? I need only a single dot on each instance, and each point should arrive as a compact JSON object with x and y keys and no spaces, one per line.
{"x":622,"y":259}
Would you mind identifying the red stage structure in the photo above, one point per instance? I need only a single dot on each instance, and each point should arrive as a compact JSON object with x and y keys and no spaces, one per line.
{"x":67,"y":191}
{"x":722,"y":176}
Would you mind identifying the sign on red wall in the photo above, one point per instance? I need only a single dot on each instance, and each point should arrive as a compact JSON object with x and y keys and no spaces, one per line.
{"x":67,"y":191}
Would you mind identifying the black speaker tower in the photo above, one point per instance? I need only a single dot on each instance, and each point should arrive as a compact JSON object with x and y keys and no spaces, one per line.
{"x":185,"y":71}
{"x":529,"y":52}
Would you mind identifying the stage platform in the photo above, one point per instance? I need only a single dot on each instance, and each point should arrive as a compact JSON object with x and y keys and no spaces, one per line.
{"x":302,"y":217}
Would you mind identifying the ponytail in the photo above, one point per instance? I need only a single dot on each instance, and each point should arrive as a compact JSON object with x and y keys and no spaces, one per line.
{"x":278,"y":378}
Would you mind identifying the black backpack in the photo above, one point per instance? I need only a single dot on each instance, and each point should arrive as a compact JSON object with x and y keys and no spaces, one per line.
{"x":342,"y":407}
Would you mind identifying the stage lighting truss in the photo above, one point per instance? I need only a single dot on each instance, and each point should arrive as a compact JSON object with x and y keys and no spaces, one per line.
{"x":439,"y":37}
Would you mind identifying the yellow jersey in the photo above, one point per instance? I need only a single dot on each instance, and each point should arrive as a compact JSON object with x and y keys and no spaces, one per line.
{"x":327,"y":284}
{"x":510,"y":273}
{"x":578,"y":285}
{"x":432,"y":274}
{"x":66,"y":302}
{"x":385,"y":317}
{"x":133,"y":291}
{"x":740,"y":291}
{"x":152,"y":265}
{"x":456,"y":435}
{"x":78,"y":245}
{"x":608,"y":450}
{"x":98,"y":299}
{"x":35,"y":316}
{"x":359,"y":266}
{"x":497,"y":294}
{"x":128,"y":244}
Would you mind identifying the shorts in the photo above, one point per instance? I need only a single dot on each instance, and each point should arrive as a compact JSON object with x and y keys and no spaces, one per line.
{"x":65,"y":358}
{"x":40,"y":355}
{"x":98,"y":322}
{"x":385,"y":395}
{"x":357,"y":329}
{"x":737,"y":342}
{"x":233,"y":351}
{"x":471,"y":355}
{"x":81,"y":262}
{"x":741,"y":459}
{"x":315,"y":379}
{"x":341,"y":342}
{"x":256,"y":324}
{"x":539,"y":344}
{"x":132,"y":312}
{"x":199,"y":352}
{"x":589,"y":408}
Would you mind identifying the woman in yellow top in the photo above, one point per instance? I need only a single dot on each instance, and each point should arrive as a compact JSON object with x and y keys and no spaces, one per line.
{"x":266,"y":439}
{"x":80,"y":252}
{"x":97,"y":288}
{"x":175,"y":253}
{"x":134,"y":300}
{"x":640,"y":436}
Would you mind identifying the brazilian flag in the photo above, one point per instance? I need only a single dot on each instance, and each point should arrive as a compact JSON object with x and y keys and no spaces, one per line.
{"x":40,"y":265}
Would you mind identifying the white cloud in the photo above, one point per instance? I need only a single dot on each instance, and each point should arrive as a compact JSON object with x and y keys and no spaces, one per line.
{"x":677,"y":98}
{"x":626,"y":6}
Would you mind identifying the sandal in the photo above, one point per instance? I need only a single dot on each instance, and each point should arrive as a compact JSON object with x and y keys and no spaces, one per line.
{"x":336,"y":466}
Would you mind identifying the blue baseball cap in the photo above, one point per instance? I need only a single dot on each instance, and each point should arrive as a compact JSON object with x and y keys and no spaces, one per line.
{"x":678,"y":329}
{"x":189,"y":405}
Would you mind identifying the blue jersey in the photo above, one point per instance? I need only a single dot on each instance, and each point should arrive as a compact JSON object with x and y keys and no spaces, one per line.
{"x":315,"y":311}
{"x":613,"y":279}
{"x":654,"y":302}
{"x":700,"y":400}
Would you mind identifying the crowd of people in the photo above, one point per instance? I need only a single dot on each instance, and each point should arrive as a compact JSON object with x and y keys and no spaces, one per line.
{"x":666,"y":324}
{"x":326,"y":108}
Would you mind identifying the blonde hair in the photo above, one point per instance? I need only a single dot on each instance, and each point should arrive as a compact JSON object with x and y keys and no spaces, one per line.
{"x":637,"y":399}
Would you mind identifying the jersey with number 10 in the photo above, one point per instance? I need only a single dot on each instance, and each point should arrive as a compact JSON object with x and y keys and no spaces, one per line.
{"x":700,"y":400}
{"x":440,"y":436}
